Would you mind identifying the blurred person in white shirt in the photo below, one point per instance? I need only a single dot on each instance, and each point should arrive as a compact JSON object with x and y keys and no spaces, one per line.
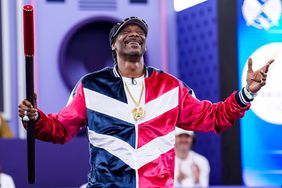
{"x":6,"y":181}
{"x":191,"y":168}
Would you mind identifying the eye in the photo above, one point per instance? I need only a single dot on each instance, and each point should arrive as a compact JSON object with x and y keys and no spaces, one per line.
{"x":125,"y":31}
{"x":141,"y":32}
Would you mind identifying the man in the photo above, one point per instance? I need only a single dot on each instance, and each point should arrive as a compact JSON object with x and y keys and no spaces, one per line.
{"x":131,"y":112}
{"x":191,"y":168}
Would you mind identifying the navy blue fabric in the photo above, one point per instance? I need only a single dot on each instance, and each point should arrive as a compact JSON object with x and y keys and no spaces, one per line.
{"x":108,"y":171}
{"x":151,"y":69}
{"x":245,"y":96}
{"x":74,"y":90}
{"x":104,"y":124}
{"x":106,"y":83}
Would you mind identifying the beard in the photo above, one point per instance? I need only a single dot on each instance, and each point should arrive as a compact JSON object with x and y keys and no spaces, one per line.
{"x":134,"y":54}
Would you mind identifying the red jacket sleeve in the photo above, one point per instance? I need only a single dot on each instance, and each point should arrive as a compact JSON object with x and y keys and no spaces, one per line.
{"x":205,"y":116}
{"x":61,"y":127}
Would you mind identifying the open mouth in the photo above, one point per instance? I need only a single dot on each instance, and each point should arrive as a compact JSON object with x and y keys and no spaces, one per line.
{"x":134,"y":42}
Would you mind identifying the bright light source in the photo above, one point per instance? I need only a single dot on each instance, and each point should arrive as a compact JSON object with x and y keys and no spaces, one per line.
{"x":180,"y":5}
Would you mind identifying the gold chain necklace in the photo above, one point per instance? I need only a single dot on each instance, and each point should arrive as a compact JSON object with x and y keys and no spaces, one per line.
{"x":138,"y":112}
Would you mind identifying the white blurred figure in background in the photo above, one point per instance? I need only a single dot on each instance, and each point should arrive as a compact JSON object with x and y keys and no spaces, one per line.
{"x":6,"y":181}
{"x":191,"y":168}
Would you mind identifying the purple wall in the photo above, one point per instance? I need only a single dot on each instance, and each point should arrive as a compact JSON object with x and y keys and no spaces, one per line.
{"x":56,"y":165}
{"x":199,"y":68}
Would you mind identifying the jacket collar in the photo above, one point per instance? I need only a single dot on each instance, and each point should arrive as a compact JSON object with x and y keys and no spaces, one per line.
{"x":117,"y":74}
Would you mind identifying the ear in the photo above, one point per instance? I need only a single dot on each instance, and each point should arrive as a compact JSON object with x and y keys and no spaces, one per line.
{"x":113,"y":47}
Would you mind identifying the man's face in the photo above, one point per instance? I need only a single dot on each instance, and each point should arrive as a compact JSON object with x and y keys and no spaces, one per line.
{"x":183,"y":142}
{"x":131,"y":41}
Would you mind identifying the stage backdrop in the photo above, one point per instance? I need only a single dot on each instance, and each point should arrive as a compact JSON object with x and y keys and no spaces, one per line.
{"x":199,"y":68}
{"x":72,"y":40}
{"x":260,"y":37}
{"x":5,"y":76}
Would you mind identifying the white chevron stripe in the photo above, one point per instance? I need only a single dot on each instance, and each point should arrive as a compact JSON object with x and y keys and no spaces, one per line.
{"x":107,"y":105}
{"x":160,"y":105}
{"x":135,"y":158}
{"x":112,"y":107}
{"x":113,"y":145}
{"x":153,"y":149}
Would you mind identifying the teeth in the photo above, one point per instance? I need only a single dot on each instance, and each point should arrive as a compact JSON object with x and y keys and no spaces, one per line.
{"x":133,"y":42}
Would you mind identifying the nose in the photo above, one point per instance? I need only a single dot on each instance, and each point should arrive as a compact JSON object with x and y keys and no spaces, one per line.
{"x":134,"y":34}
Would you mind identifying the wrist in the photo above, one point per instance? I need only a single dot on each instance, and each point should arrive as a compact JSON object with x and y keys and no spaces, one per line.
{"x":249,"y":93}
{"x":243,"y":97}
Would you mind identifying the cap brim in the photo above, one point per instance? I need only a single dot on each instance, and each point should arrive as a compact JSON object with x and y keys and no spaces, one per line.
{"x":179,"y":131}
{"x":135,"y":21}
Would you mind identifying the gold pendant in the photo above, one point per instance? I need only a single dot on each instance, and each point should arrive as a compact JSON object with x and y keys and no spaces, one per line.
{"x":138,"y":113}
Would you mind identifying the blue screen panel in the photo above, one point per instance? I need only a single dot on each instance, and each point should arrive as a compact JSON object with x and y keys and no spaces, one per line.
{"x":260,"y":37}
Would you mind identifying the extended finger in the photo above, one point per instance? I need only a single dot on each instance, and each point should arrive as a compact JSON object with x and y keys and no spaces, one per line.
{"x":266,"y":67}
{"x":250,"y":65}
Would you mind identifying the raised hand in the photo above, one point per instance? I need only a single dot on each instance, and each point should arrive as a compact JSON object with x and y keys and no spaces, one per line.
{"x":181,"y":175}
{"x":257,"y":79}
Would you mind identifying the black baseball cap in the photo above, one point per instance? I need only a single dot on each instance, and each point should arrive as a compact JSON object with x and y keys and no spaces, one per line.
{"x":120,"y":25}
